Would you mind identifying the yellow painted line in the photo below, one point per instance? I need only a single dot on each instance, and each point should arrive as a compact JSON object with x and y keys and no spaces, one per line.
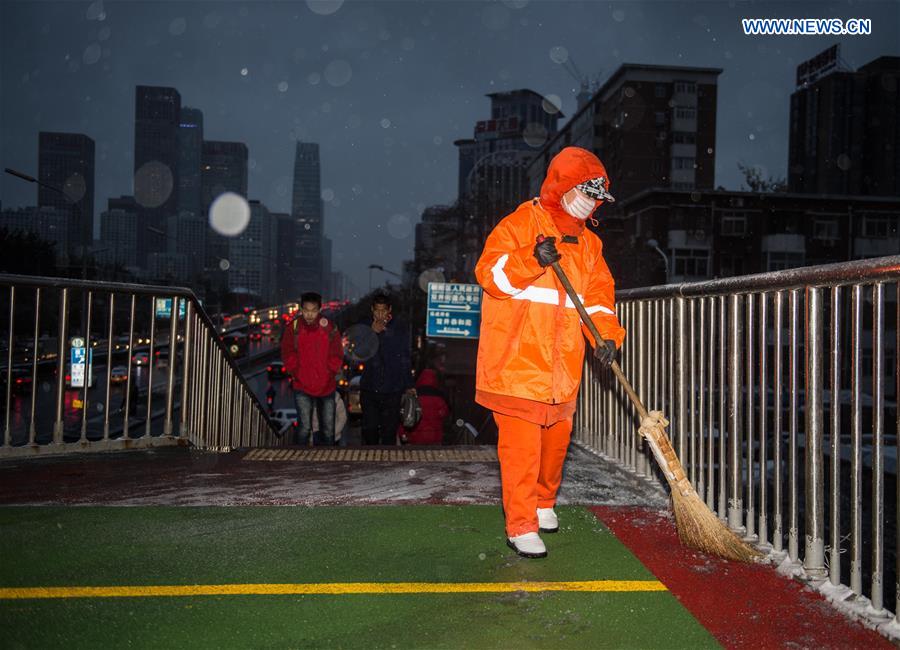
{"x":332,"y":588}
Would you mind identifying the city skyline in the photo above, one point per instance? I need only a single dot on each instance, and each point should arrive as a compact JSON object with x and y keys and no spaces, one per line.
{"x":384,"y":89}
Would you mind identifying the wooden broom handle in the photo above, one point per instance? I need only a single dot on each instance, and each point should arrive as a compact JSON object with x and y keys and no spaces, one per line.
{"x":586,"y":319}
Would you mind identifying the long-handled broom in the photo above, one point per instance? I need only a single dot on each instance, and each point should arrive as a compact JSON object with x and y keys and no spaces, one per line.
{"x":697,"y":525}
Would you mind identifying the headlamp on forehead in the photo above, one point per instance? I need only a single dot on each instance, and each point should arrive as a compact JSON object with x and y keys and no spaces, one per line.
{"x":596,"y":189}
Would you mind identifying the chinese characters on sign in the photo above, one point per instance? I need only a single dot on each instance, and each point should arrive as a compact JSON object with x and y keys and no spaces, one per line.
{"x":454,"y":310}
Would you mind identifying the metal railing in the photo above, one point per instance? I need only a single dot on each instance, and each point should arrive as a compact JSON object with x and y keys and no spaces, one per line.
{"x":200,"y":398}
{"x":781,"y":389}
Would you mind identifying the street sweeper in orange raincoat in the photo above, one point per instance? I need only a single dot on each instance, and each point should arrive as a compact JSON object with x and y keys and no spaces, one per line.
{"x":531,"y":349}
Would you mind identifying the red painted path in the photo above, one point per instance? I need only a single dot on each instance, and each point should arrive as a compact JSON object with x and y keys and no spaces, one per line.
{"x":742,"y":605}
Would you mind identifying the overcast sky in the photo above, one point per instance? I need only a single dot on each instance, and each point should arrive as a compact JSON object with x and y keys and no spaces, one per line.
{"x":384,"y":87}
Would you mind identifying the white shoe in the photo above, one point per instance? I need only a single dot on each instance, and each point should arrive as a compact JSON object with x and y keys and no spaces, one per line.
{"x":547,"y":520}
{"x":528,"y":545}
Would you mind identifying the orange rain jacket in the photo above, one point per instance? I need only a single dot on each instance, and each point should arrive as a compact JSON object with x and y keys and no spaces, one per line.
{"x":531,"y":344}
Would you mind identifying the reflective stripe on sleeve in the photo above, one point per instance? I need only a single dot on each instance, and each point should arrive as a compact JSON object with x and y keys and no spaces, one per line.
{"x":500,"y":278}
{"x":594,"y":309}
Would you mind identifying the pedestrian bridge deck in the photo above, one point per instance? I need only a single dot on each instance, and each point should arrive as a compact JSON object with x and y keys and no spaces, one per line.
{"x":426,"y":568}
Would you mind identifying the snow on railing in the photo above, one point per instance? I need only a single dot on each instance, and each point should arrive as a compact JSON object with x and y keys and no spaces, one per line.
{"x":745,"y":369}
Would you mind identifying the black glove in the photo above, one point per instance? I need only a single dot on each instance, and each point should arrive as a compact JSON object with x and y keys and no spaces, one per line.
{"x":545,"y":251}
{"x":606,"y":354}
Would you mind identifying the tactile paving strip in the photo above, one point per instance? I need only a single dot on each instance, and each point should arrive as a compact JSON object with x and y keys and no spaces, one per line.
{"x":449,"y":455}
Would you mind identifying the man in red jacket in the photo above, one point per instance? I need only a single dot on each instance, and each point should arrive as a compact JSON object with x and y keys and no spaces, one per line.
{"x":312,"y":353}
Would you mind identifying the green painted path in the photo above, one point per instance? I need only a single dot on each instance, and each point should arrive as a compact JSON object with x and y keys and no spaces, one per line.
{"x":178,"y":546}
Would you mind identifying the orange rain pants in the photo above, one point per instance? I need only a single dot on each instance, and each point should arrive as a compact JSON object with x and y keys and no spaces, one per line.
{"x":531,"y":461}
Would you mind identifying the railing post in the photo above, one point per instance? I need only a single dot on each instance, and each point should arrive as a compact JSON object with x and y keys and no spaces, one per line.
{"x":763,"y":523}
{"x":735,"y":502}
{"x":814,"y":552}
{"x":173,"y":358}
{"x":723,"y":419}
{"x":7,"y":434}
{"x":794,"y":389}
{"x":187,"y":350}
{"x":878,"y":447}
{"x":777,"y":443}
{"x":750,"y":344}
{"x":681,"y":378}
{"x":58,"y":424}
{"x":109,"y":350}
{"x":834,"y":560}
{"x":856,"y":464}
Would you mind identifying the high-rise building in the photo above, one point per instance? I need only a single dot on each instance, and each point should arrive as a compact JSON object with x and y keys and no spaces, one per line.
{"x":157,"y":115}
{"x":223,"y":169}
{"x":306,"y":209}
{"x":252,"y":255}
{"x":327,"y":289}
{"x":651,"y":125}
{"x":190,"y":157}
{"x":66,"y":161}
{"x":118,"y":231}
{"x":845,"y":127}
{"x":285,"y":273}
{"x":492,"y":164}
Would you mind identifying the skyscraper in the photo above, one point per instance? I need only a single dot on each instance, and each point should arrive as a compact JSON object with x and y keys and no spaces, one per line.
{"x":253,"y":255}
{"x":651,"y":125}
{"x":845,"y":127}
{"x":285,"y":273}
{"x":66,"y":161}
{"x":306,"y":209}
{"x":223,"y":169}
{"x":157,"y":115}
{"x":118,"y":231}
{"x":190,"y":154}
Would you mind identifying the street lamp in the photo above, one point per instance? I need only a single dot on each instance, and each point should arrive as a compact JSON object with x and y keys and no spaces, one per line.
{"x":85,"y":245}
{"x":652,"y":243}
{"x":381,"y":268}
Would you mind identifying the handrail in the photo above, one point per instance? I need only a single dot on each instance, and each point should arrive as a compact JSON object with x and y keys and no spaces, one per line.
{"x":825,"y":275}
{"x":214,"y":379}
{"x":781,"y":389}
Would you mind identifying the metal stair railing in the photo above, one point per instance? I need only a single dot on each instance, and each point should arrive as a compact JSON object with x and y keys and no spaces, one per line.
{"x":781,"y":389}
{"x":202,"y":399}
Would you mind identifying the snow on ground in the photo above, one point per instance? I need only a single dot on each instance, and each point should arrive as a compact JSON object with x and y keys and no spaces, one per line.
{"x":190,"y":478}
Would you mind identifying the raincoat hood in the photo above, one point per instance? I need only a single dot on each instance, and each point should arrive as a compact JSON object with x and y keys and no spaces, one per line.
{"x":427,"y":378}
{"x":571,"y":166}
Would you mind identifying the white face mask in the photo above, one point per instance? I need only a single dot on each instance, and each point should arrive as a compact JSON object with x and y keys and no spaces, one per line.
{"x":581,"y":207}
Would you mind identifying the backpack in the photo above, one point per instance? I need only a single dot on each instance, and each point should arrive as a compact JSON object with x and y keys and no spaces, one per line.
{"x":410,"y":410}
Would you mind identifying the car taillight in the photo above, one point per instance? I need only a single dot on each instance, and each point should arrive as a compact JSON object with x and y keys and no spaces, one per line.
{"x":269,"y":369}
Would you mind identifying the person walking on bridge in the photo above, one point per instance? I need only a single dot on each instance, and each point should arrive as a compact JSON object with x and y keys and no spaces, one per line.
{"x":531,"y":348}
{"x":312,"y":352}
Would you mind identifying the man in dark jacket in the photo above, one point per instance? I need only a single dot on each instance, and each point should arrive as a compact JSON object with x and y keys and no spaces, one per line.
{"x":312,"y":353}
{"x":385,"y":377}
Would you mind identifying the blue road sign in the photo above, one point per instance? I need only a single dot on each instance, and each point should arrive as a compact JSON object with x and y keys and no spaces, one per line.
{"x":454,"y":310}
{"x":164,"y":307}
{"x":79,"y":358}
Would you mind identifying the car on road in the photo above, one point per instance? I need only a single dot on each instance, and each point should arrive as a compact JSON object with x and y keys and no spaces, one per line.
{"x":140,"y":359}
{"x":284,"y":419}
{"x":276,"y":370}
{"x":255,"y":336}
{"x":21,"y":378}
{"x":118,"y":375}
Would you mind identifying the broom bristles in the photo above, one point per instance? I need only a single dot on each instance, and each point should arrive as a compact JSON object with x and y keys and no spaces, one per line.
{"x":699,"y":528}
